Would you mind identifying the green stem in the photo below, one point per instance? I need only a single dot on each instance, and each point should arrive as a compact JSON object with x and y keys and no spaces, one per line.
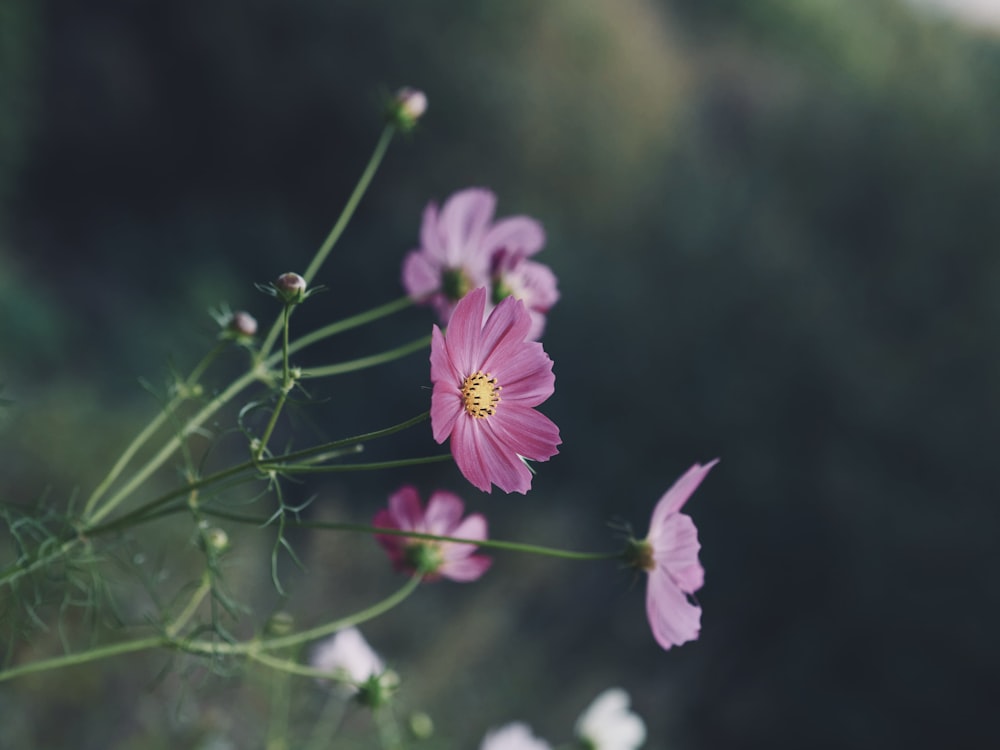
{"x":286,"y":386}
{"x":254,"y":647}
{"x":255,"y":373}
{"x":533,"y":549}
{"x":152,"y":428}
{"x":167,"y":450}
{"x":295,"y":639}
{"x":192,"y":606}
{"x":84,"y":657}
{"x":271,"y":463}
{"x":373,"y":466}
{"x":341,"y":223}
{"x":371,"y":361}
{"x":332,"y":329}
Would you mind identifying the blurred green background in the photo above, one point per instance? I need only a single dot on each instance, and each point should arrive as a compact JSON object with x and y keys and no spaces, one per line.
{"x":775,"y":226}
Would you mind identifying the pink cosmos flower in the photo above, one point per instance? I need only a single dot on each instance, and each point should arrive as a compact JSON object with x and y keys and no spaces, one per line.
{"x":669,"y":553}
{"x":457,"y":245}
{"x":443,"y":517}
{"x":487,"y":380}
{"x":513,"y":736}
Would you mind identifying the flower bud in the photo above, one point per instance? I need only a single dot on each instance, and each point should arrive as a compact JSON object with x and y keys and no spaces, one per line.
{"x":406,"y":107}
{"x":291,"y":287}
{"x":278,"y":624}
{"x":243,"y":324}
{"x":215,"y":540}
{"x":421,"y":725}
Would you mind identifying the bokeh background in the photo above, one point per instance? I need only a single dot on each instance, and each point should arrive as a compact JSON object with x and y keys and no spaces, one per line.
{"x":775,"y":226}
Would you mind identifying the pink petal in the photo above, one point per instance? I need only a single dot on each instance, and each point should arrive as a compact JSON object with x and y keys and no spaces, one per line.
{"x":503,"y":334}
{"x":516,"y":233}
{"x":483,"y":460}
{"x":464,"y":220}
{"x":421,"y":278}
{"x":472,"y":527}
{"x":524,"y":431}
{"x":674,"y":498}
{"x":464,"y":332}
{"x":404,"y":505}
{"x":444,"y":511}
{"x":676,"y":549}
{"x":467,"y":453}
{"x":525,"y":375}
{"x":465,"y":569}
{"x":673,"y":618}
{"x":430,"y":235}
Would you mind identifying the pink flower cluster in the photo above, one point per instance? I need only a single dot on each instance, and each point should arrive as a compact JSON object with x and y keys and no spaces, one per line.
{"x":462,"y":248}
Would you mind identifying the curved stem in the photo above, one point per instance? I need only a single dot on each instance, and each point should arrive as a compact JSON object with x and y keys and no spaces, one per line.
{"x":341,"y":223}
{"x":254,"y":647}
{"x":365,"y":362}
{"x":295,"y":639}
{"x":533,"y":549}
{"x":152,"y":428}
{"x":332,"y":329}
{"x":84,"y":657}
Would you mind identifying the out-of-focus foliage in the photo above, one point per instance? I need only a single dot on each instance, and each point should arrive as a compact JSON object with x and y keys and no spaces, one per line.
{"x":774,"y":225}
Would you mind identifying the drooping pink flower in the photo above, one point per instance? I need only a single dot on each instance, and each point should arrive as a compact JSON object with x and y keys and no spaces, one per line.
{"x":487,"y":380}
{"x":669,"y":553}
{"x":457,"y":245}
{"x":531,"y":282}
{"x":443,"y":517}
{"x":514,"y":736}
{"x":347,"y":655}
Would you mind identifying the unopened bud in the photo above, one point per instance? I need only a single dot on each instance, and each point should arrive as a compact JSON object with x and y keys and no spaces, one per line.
{"x":407,"y":106}
{"x":243,"y":324}
{"x":216,"y":540}
{"x":280,"y":623}
{"x":421,"y":725}
{"x":291,"y":287}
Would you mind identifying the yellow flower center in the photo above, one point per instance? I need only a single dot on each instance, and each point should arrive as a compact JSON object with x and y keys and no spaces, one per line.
{"x":480,"y":394}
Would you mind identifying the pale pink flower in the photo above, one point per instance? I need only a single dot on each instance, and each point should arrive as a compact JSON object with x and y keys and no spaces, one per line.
{"x":443,"y":517}
{"x":669,"y":553}
{"x":608,"y":724}
{"x":457,"y":245}
{"x":347,"y":655}
{"x":487,"y":380}
{"x":513,"y":736}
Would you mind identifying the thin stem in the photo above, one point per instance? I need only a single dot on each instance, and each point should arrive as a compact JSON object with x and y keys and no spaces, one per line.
{"x":277,"y":733}
{"x":255,"y":373}
{"x":373,"y":466}
{"x":533,"y":549}
{"x":286,"y":386}
{"x":271,"y":463}
{"x":254,"y":647}
{"x":371,"y":361}
{"x":192,"y":606}
{"x":153,"y":427}
{"x":332,"y":329}
{"x":295,"y":639}
{"x":160,"y":458}
{"x":341,"y":223}
{"x":84,"y":657}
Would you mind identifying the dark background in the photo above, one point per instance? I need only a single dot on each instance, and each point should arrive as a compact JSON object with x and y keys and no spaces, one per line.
{"x":775,"y":226}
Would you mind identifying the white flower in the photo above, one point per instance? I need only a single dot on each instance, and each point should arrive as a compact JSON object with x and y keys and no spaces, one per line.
{"x":607,"y":723}
{"x":514,"y":736}
{"x":347,"y":655}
